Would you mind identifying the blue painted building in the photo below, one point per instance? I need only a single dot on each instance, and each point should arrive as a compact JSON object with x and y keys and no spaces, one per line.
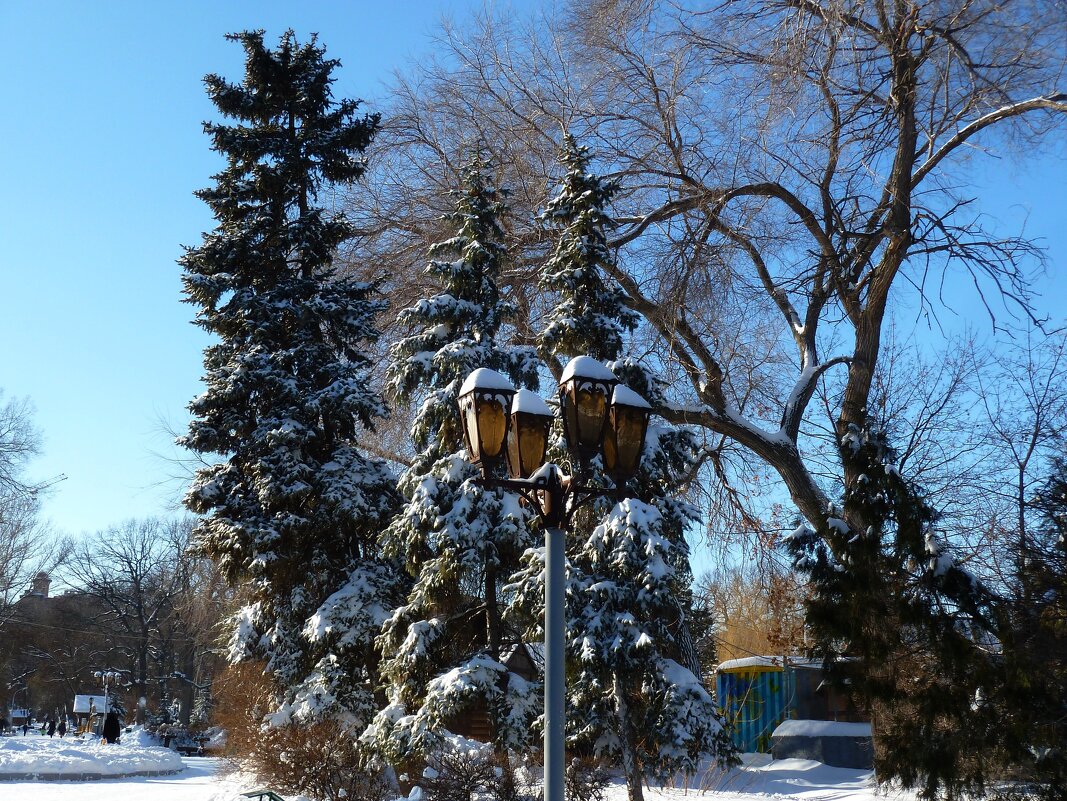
{"x":758,"y":693}
{"x":755,"y":694}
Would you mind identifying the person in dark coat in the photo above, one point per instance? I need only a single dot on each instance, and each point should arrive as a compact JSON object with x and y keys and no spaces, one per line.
{"x":62,"y":729}
{"x":51,"y":728}
{"x":111,"y":728}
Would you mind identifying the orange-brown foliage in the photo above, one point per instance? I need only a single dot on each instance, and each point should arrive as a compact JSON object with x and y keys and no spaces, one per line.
{"x":318,"y":760}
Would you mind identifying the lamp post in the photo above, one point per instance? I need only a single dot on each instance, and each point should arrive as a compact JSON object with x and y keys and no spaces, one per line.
{"x":107,"y":678}
{"x":600,"y":418}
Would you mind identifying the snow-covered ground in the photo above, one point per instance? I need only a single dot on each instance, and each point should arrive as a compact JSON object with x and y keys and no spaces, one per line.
{"x":206,"y":779}
{"x":760,"y":777}
{"x":76,"y":756}
{"x":199,"y":781}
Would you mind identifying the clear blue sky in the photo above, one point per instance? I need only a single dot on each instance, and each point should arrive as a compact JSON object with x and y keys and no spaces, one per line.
{"x":101,"y":148}
{"x":100,"y":151}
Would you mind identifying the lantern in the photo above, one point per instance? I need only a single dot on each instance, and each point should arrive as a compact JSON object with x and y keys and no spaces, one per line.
{"x":531,"y":420}
{"x":584,"y":390}
{"x":484,"y":402}
{"x":625,"y":435}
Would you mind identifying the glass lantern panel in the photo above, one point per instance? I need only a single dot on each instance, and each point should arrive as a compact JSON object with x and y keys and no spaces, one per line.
{"x":592,"y":405}
{"x":629,"y":438}
{"x":470,"y":429}
{"x":533,"y":442}
{"x":492,"y":426}
{"x":611,"y":452}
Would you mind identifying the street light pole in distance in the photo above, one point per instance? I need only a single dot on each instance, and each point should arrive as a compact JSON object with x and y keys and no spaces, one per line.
{"x":107,"y":678}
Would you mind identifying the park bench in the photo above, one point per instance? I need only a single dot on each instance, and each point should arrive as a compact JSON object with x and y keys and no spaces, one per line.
{"x":263,"y":795}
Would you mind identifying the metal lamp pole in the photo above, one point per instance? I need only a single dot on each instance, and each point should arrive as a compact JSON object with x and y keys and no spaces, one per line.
{"x":555,"y":664}
{"x":107,"y":677}
{"x":600,"y":418}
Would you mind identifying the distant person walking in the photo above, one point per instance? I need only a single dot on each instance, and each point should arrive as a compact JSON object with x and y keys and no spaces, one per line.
{"x":62,"y":727}
{"x":51,"y":728}
{"x":25,"y":729}
{"x":111,"y":728}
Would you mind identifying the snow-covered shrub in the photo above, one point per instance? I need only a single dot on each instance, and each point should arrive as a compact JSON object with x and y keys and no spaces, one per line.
{"x":322,"y":761}
{"x":458,"y":776}
{"x":586,"y":780}
{"x":475,"y":774}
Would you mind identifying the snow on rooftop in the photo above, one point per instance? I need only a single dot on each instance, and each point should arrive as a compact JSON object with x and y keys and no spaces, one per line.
{"x":821,"y":728}
{"x":586,"y":367}
{"x":627,"y":397}
{"x":768,"y":662}
{"x":484,"y":378}
{"x":528,"y":401}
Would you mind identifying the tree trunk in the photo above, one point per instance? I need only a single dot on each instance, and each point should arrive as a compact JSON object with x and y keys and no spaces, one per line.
{"x":142,"y":677}
{"x":687,"y":649}
{"x":492,"y":608}
{"x":1024,"y":585}
{"x":634,"y":779}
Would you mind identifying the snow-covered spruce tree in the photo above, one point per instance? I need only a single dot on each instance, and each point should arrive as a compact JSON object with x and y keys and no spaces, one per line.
{"x":590,"y":317}
{"x":634,"y":693}
{"x":459,"y":541}
{"x":905,"y":630}
{"x":291,"y":509}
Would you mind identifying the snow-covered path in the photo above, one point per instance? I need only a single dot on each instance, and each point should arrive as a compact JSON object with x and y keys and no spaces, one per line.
{"x":206,"y":779}
{"x":198,"y":782}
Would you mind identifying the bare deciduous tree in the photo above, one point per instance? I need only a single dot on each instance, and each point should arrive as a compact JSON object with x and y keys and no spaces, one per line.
{"x":786,"y":165}
{"x":26,"y":545}
{"x":1024,"y":401}
{"x":19,"y":442}
{"x":134,"y":572}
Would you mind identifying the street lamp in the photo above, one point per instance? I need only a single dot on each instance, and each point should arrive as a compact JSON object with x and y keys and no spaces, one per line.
{"x":600,"y":418}
{"x":107,"y":678}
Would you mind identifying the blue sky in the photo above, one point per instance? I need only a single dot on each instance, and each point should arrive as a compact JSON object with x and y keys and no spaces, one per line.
{"x":101,"y":149}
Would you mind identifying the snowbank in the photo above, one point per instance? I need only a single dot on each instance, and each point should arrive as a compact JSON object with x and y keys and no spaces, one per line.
{"x":138,"y":737}
{"x":76,"y":758}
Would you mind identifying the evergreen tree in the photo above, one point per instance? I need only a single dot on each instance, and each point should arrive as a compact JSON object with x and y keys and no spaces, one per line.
{"x":458,"y":540}
{"x":1051,"y":503}
{"x":906,"y":630}
{"x":629,"y":695}
{"x":291,"y":509}
{"x":630,"y":698}
{"x":591,"y":317}
{"x":1033,"y":695}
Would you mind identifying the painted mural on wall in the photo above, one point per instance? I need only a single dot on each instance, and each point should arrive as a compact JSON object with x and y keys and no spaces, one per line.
{"x":755,"y":698}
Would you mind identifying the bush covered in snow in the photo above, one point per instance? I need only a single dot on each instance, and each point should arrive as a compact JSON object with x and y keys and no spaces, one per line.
{"x":321,"y":760}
